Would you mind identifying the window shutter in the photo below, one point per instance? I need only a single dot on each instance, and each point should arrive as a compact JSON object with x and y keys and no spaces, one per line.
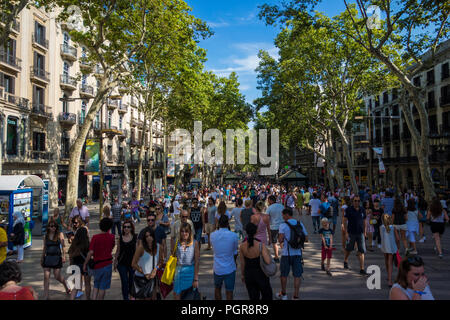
{"x":12,"y":85}
{"x":36,"y":30}
{"x":42,"y":141}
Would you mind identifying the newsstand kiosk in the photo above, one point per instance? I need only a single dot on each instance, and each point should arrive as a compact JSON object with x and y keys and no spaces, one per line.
{"x":21,"y":194}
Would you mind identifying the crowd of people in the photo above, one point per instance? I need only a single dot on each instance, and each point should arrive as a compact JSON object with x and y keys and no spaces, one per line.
{"x":268,"y":235}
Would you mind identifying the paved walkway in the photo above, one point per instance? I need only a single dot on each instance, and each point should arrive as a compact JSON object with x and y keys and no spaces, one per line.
{"x":343,"y":285}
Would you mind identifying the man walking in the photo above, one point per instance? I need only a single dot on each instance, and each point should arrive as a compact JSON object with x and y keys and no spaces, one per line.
{"x":275,"y":211}
{"x":355,"y":231}
{"x":117,"y":215}
{"x":291,"y":257}
{"x":225,"y":247}
{"x":82,"y":211}
{"x":314,"y":205}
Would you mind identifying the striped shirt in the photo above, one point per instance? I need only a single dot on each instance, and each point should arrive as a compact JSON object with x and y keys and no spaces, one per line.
{"x":116,"y":212}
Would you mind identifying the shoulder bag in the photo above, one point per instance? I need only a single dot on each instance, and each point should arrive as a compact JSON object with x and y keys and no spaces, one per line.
{"x":269,"y":269}
{"x":171,"y":265}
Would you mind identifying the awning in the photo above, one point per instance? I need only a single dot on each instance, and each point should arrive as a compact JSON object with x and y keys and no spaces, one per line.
{"x":292,"y":175}
{"x":12,"y":183}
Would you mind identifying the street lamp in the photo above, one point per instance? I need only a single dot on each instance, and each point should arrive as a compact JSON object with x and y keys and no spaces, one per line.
{"x":370,"y":142}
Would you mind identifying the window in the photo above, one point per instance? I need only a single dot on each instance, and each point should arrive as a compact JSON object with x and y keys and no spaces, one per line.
{"x":39,"y":63}
{"x":109,"y":119}
{"x":430,"y":77}
{"x":39,"y":33}
{"x":445,"y":71}
{"x":83,"y":80}
{"x":10,"y":52}
{"x":38,"y":141}
{"x":66,"y":39}
{"x":8,"y":83}
{"x":121,"y":158}
{"x":386,"y":112}
{"x":38,"y":97}
{"x":394,"y":94}
{"x":385,"y":97}
{"x":109,"y":152}
{"x":65,"y":104}
{"x":83,"y":52}
{"x":433,"y":124}
{"x":120,"y":122}
{"x":11,"y":136}
{"x":65,"y":145}
{"x":83,"y":111}
{"x":416,"y":81}
{"x":66,"y":69}
{"x":431,"y":100}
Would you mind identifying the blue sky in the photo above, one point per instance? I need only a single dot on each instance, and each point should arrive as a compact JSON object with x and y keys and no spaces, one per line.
{"x":239,"y":35}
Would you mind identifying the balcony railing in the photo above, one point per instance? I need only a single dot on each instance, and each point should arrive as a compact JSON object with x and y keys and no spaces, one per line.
{"x":123,"y":108}
{"x":10,"y":60}
{"x":112,"y":104}
{"x":40,"y":41}
{"x":41,"y":155}
{"x":86,"y":90}
{"x":69,"y":52}
{"x":41,"y":110}
{"x":67,"y":118}
{"x":444,"y":101}
{"x":40,"y":73}
{"x":68,"y":82}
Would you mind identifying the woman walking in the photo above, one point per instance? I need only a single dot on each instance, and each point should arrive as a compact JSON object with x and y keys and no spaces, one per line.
{"x":78,"y":252}
{"x":369,"y":225}
{"x":262,"y":221}
{"x":18,"y":234}
{"x":399,"y":216}
{"x":257,"y":283}
{"x":423,"y":207}
{"x":146,"y":262}
{"x":438,"y":216}
{"x":412,"y":224}
{"x":53,"y":257}
{"x":188,"y":256}
{"x":126,"y":248}
{"x":343,"y":228}
{"x":388,"y":245}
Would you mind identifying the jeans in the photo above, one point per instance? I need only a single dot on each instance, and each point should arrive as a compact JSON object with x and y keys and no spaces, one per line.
{"x":126,"y":278}
{"x":136,"y":215}
{"x":118,"y":225}
{"x":19,"y":252}
{"x":316,"y":223}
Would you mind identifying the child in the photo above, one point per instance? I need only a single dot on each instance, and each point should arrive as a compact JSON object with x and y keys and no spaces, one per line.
{"x":327,"y":244}
{"x":388,"y":244}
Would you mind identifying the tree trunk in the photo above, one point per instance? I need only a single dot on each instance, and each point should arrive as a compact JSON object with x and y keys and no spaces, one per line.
{"x":77,"y":146}
{"x":141,"y":157}
{"x":350,"y":168}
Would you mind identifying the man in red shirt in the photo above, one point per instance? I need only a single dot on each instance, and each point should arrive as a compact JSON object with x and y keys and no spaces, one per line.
{"x":100,"y":249}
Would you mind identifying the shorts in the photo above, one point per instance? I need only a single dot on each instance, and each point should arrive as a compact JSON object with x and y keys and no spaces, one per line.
{"x":291,"y":261}
{"x":334,"y":220}
{"x":229,"y":280}
{"x":437,"y":227}
{"x":326,"y":253}
{"x":401,"y":227}
{"x":360,"y":241}
{"x":102,"y":277}
{"x":198,"y":234}
{"x":274,"y":236}
{"x":209,"y":228}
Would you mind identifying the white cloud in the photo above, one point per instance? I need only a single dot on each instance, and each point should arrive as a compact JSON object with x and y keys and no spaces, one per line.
{"x":220,"y":24}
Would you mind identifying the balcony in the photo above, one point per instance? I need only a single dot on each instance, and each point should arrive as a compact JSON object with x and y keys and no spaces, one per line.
{"x":124,"y":134}
{"x":85,"y":66}
{"x":41,"y":110}
{"x":22,"y":103}
{"x":98,"y":72}
{"x":68,"y":52}
{"x":39,"y":75}
{"x":67,"y":82}
{"x":86,"y":91}
{"x":39,"y":42}
{"x":112,"y":104}
{"x":41,"y":155}
{"x":98,"y":126}
{"x":134,"y":142}
{"x":10,"y":62}
{"x":67,"y":119}
{"x":134,"y":102}
{"x":123,"y":108}
{"x":133,"y":122}
{"x":444,"y":101}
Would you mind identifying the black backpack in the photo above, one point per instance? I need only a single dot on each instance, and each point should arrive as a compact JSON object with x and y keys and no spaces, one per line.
{"x":329,"y":213}
{"x":298,"y":238}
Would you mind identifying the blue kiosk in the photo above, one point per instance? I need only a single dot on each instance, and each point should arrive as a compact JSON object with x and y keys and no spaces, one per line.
{"x":23,"y":194}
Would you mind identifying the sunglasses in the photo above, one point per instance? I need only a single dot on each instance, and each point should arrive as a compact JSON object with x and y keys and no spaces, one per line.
{"x":415,"y":260}
{"x":150,"y":220}
{"x":184,"y":217}
{"x":127,"y":227}
{"x":52,"y":226}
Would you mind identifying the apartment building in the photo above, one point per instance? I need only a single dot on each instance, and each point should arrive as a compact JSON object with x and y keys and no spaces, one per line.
{"x":46,"y":90}
{"x":399,"y":156}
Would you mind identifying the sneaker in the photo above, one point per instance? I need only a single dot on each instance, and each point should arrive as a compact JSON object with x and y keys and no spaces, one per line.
{"x":280,"y":296}
{"x":440,"y":256}
{"x":79,"y":294}
{"x":295,"y":298}
{"x":323,"y":267}
{"x":345,"y":265}
{"x":407,"y":252}
{"x":379,"y":246}
{"x":422,"y":240}
{"x":413,"y":252}
{"x":363,"y":272}
{"x":329,"y":273}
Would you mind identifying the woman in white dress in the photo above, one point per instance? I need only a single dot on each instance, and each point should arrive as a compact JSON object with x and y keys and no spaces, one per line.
{"x":388,"y":245}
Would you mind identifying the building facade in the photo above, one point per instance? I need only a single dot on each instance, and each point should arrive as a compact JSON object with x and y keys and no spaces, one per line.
{"x":46,"y":90}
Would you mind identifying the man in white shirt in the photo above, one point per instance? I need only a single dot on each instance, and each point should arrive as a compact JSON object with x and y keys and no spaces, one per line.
{"x":236,"y":213}
{"x":275,"y":211}
{"x":225,"y":246}
{"x":176,"y":208}
{"x":82,"y":211}
{"x":315,"y":204}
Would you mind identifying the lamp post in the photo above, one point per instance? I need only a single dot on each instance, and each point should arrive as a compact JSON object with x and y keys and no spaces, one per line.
{"x":370,"y":142}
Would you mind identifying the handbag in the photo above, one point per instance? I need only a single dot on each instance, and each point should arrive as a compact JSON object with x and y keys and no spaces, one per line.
{"x":397,"y":259}
{"x":142,"y":287}
{"x":190,"y":294}
{"x":373,"y":221}
{"x":269,"y":269}
{"x":165,"y":289}
{"x":171,"y":265}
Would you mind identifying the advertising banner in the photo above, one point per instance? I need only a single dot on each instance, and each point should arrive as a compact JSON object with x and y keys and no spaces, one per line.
{"x":45,"y":205}
{"x":170,"y":166}
{"x":92,"y":156}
